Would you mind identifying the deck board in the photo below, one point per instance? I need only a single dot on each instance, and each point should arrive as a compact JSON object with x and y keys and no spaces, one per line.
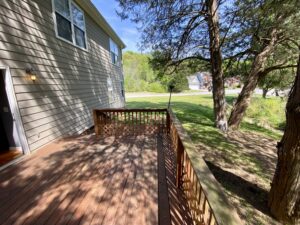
{"x":87,"y":180}
{"x":9,"y":155}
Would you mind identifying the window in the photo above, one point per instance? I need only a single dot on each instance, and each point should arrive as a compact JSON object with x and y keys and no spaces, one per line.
{"x":70,"y":24}
{"x":110,"y":90}
{"x":114,"y":52}
{"x":122,"y":89}
{"x":109,"y":84}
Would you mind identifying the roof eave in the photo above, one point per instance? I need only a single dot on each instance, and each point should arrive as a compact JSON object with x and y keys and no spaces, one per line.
{"x":89,"y":7}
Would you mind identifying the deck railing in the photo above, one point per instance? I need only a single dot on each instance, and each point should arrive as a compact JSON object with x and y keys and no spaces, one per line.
{"x":122,"y":122}
{"x":188,"y":180}
{"x":207,"y":202}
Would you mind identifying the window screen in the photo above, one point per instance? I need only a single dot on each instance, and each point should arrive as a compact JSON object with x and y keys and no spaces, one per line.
{"x":64,"y":28}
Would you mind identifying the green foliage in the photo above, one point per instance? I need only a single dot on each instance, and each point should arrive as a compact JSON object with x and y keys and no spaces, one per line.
{"x":278,"y":79}
{"x":237,"y":68}
{"x":178,"y":80}
{"x":268,"y":113}
{"x":175,"y":75}
{"x":139,"y":76}
{"x":156,"y":87}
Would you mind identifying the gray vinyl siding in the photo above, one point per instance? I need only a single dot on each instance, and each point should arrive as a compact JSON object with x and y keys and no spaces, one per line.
{"x":70,"y":81}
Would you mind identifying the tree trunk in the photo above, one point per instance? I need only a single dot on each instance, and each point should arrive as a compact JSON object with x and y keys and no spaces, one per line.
{"x":216,"y":66}
{"x":284,"y":197}
{"x":265,"y":92}
{"x":256,"y":72}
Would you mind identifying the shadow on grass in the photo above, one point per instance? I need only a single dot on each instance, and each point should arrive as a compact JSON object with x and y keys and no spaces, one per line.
{"x":251,"y":193}
{"x":256,"y":128}
{"x":229,"y":99}
{"x":198,"y":119}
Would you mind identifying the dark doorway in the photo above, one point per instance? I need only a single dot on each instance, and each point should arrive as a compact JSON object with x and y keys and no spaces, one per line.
{"x":4,"y":145}
{"x":4,"y":142}
{"x":9,"y":140}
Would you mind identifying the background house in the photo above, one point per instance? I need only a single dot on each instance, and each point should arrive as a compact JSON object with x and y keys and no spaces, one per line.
{"x":203,"y":80}
{"x":200,"y":80}
{"x":59,"y":59}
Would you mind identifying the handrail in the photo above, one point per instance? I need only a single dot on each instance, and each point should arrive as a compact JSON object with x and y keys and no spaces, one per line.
{"x":206,"y":200}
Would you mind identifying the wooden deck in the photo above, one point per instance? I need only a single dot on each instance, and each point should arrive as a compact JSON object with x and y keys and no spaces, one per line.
{"x":9,"y":155}
{"x":85,"y":180}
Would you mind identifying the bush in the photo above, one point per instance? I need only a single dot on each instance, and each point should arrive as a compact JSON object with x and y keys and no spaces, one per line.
{"x":270,"y":111}
{"x":156,"y":87}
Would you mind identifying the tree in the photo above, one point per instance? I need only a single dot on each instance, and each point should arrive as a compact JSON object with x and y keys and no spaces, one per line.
{"x":278,"y":80}
{"x":139,"y":75}
{"x":264,"y":27}
{"x":216,"y":64}
{"x":178,"y":80}
{"x":179,"y":30}
{"x":175,"y":75}
{"x":284,"y":197}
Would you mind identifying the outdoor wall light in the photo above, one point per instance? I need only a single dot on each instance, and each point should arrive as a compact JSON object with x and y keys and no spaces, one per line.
{"x":31,"y":74}
{"x":33,"y":78}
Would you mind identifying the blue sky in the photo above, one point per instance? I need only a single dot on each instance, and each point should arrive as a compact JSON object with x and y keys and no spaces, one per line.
{"x":125,"y":29}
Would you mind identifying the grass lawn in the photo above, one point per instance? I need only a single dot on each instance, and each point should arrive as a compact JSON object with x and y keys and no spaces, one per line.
{"x":242,"y":161}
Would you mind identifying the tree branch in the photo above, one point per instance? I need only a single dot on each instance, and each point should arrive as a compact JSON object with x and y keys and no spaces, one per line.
{"x":276,"y":67}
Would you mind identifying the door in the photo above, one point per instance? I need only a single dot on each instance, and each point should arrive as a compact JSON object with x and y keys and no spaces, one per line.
{"x":8,"y":127}
{"x":4,"y":145}
{"x":10,"y":115}
{"x":4,"y":141}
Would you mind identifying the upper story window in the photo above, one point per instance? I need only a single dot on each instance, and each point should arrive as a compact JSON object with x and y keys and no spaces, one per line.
{"x":114,"y":52}
{"x":70,"y":24}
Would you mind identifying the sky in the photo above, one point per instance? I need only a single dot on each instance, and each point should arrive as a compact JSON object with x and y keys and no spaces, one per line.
{"x":125,"y":29}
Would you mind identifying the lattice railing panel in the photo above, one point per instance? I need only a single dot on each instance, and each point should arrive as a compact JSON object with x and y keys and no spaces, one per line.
{"x":122,"y":122}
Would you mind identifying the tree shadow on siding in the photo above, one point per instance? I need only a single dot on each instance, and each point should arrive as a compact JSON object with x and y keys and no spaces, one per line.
{"x":70,"y":81}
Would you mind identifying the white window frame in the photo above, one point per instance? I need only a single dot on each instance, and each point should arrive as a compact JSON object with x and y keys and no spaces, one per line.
{"x":72,"y":25}
{"x":118,"y":62}
{"x":110,"y":90}
{"x":109,"y":84}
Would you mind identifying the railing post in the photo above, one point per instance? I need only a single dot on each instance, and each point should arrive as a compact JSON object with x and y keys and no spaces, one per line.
{"x":180,"y":151}
{"x":96,"y":122}
{"x":168,"y":122}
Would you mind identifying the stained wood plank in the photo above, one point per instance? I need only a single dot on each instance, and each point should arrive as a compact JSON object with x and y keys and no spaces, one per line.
{"x":9,"y":155}
{"x":86,"y":180}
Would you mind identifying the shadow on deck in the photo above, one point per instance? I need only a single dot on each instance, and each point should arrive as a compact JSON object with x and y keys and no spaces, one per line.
{"x":90,"y":180}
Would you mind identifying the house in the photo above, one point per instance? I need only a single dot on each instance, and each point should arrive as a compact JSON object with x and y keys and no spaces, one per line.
{"x":203,"y":80}
{"x":233,"y":82}
{"x":59,"y":59}
{"x":200,"y":80}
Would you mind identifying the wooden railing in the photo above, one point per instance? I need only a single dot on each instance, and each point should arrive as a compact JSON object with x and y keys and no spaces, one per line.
{"x":188,"y":180}
{"x":206,"y":200}
{"x":122,"y":122}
